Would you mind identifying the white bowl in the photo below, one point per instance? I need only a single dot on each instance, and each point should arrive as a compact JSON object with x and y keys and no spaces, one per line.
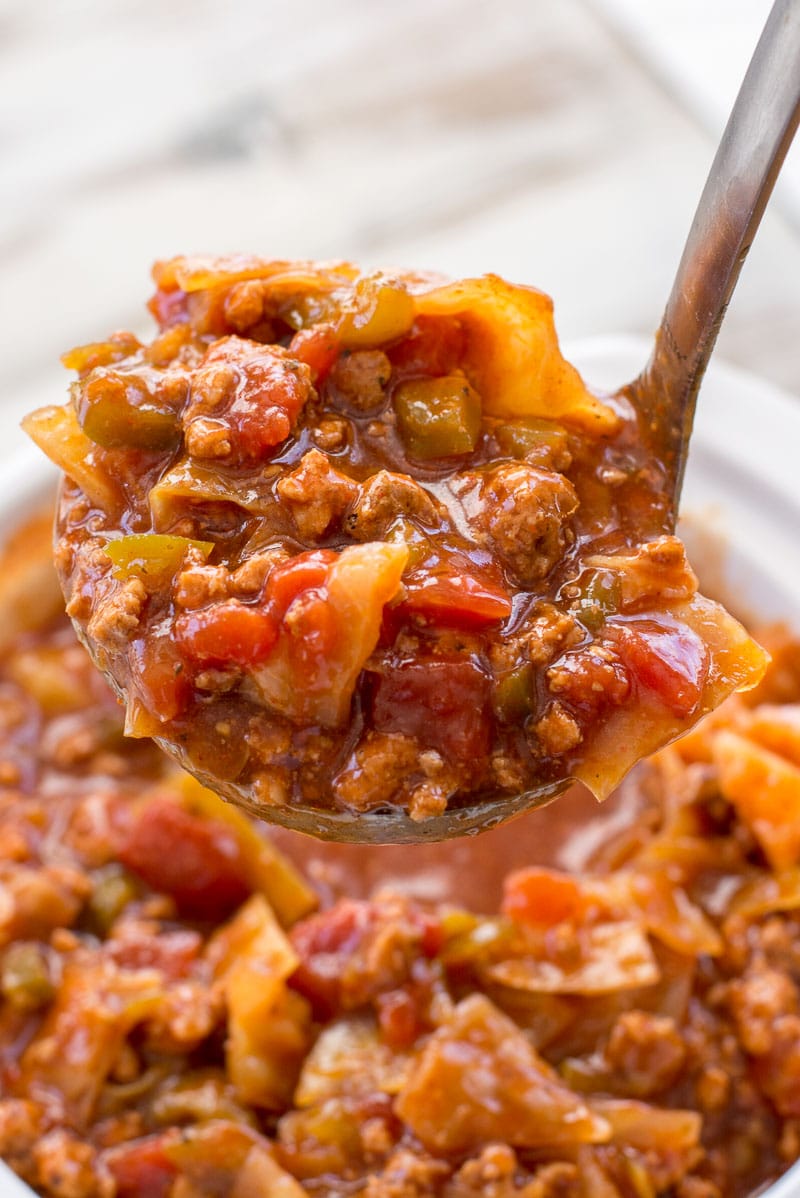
{"x":741,"y":513}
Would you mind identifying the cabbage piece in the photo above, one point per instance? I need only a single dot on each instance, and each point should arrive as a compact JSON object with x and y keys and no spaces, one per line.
{"x":78,"y":1043}
{"x":188,"y":482}
{"x":765,"y":894}
{"x":630,"y":733}
{"x":268,"y":870}
{"x":29,"y":592}
{"x":648,"y":1128}
{"x":777,"y":728}
{"x":261,"y":1175}
{"x":479,"y":1079}
{"x":666,"y":911}
{"x":203,"y":271}
{"x":765,"y":790}
{"x":322,"y":646}
{"x":350,"y":1057}
{"x":268,"y":1024}
{"x":237,"y":1158}
{"x":513,"y":357}
{"x":57,"y":433}
{"x":613,"y":956}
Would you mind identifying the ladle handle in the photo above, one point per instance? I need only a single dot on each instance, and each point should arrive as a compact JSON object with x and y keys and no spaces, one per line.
{"x":758,"y":134}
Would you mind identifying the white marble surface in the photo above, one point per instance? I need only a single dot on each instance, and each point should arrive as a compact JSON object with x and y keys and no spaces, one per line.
{"x":548,"y":142}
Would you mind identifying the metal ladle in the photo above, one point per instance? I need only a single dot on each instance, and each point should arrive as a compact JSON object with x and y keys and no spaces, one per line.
{"x":758,"y":134}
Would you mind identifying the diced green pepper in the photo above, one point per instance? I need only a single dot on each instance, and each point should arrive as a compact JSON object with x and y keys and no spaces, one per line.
{"x":600,"y":596}
{"x":117,"y":411}
{"x":155,"y":556}
{"x":403,"y":531}
{"x":25,"y":980}
{"x":113,"y":889}
{"x":513,"y":695}
{"x":438,"y":418}
{"x":518,"y":438}
{"x":199,"y":1096}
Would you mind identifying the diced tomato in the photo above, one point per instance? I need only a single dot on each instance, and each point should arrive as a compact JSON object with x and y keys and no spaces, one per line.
{"x":318,"y":348}
{"x":268,"y":396}
{"x":542,"y":897}
{"x":314,"y":632}
{"x":226,"y":633}
{"x":173,"y":953}
{"x":398,"y":1018}
{"x":434,"y":346}
{"x":242,"y":634}
{"x":169,"y":307}
{"x":460,"y":599}
{"x":340,"y":929}
{"x":324,"y":943}
{"x":432,"y":934}
{"x":444,"y":704}
{"x":141,"y":1168}
{"x":158,"y":675}
{"x":199,"y":862}
{"x":668,"y":659}
{"x":302,"y":573}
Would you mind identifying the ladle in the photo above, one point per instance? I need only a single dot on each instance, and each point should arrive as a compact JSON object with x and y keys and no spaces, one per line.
{"x":758,"y":134}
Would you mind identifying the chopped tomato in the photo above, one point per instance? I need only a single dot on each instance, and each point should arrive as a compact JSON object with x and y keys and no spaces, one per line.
{"x":324,"y":942}
{"x":444,"y":704}
{"x":338,"y":930}
{"x":199,"y":862}
{"x":329,"y":631}
{"x":459,"y":599}
{"x":158,"y":675}
{"x":318,"y":348}
{"x":243,"y":634}
{"x":398,"y":1018}
{"x":313,"y":632}
{"x":302,"y":573}
{"x":435,"y":346}
{"x":542,"y":897}
{"x":668,"y":659}
{"x":141,"y":1169}
{"x":268,"y":395}
{"x":432,"y":934}
{"x":227,"y":633}
{"x":169,"y":307}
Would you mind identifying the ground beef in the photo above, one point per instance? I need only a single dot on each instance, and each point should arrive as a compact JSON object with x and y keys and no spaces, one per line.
{"x":381,"y":762}
{"x":117,"y":616}
{"x":557,"y":731}
{"x":361,"y":378}
{"x":384,"y":498}
{"x":316,"y":494}
{"x":524,"y":515}
{"x":647,"y":1050}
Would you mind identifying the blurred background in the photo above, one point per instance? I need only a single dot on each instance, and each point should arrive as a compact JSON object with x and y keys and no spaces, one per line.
{"x":563,"y":145}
